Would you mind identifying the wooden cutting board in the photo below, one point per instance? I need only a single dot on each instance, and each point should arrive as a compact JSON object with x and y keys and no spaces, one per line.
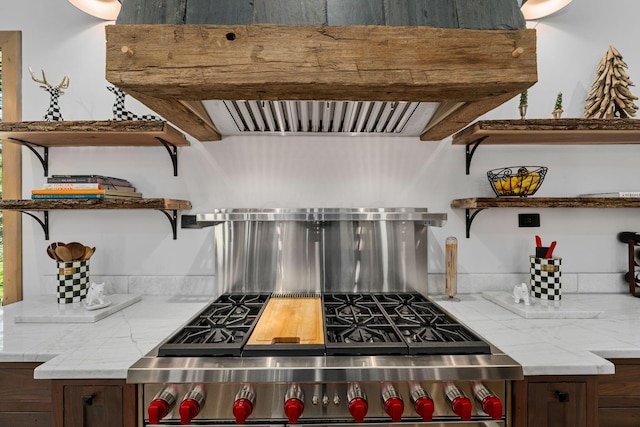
{"x":289,"y":320}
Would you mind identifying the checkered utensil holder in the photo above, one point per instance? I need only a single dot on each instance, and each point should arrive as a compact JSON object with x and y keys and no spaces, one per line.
{"x":545,"y":278}
{"x":73,"y":281}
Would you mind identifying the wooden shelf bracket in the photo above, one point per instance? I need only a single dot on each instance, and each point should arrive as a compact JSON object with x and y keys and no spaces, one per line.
{"x":44,"y":159}
{"x":470,"y":217}
{"x":470,"y":150}
{"x":173,"y":153}
{"x":44,"y":223}
{"x":173,"y":219}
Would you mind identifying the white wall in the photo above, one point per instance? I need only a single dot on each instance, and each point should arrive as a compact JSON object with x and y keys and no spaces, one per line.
{"x":337,"y":172}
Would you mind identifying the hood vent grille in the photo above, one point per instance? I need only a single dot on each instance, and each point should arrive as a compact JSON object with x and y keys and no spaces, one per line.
{"x":323,"y":117}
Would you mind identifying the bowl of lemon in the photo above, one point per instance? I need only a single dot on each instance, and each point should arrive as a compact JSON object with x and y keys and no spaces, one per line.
{"x":519,"y":181}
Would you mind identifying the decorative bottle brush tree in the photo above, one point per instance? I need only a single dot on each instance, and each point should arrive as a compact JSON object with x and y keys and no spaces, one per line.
{"x":610,"y":96}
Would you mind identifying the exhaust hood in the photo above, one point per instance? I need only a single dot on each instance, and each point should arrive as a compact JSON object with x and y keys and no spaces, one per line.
{"x":217,"y":80}
{"x":320,"y":117}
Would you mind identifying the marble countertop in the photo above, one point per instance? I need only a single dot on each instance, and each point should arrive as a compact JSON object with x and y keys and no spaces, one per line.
{"x":106,"y":348}
{"x":558,"y":346}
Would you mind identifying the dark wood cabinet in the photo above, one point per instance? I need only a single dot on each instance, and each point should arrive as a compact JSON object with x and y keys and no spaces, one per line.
{"x":94,"y":403}
{"x":619,"y":395}
{"x":554,"y":401}
{"x":24,"y":401}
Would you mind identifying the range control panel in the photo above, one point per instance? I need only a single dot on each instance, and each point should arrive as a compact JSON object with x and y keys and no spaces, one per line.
{"x":299,"y":403}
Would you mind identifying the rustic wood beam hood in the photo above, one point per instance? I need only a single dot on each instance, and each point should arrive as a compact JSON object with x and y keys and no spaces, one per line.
{"x":443,"y":78}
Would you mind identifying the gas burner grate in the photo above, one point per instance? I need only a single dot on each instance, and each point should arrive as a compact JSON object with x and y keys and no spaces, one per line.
{"x":427,"y":329}
{"x":355,"y":325}
{"x":220,"y":329}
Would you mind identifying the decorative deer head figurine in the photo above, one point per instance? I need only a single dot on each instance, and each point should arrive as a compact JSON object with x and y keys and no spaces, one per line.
{"x":53,"y":112}
{"x":121,"y":113}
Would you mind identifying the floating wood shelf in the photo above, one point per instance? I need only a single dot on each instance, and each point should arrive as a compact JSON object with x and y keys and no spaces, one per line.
{"x":169,"y":207}
{"x":108,"y":133}
{"x":547,"y":132}
{"x":482,"y":203}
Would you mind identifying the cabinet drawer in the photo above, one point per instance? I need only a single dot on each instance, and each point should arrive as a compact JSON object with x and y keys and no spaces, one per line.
{"x":95,"y":403}
{"x":91,"y":405}
{"x":623,"y":383}
{"x":619,"y":402}
{"x":25,"y":419}
{"x":619,"y":417}
{"x":557,"y":404}
{"x":18,"y":389}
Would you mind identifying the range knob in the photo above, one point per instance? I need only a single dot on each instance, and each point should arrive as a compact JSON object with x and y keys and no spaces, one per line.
{"x":192,"y":403}
{"x":393,"y":404}
{"x":162,"y":403}
{"x":460,"y":403}
{"x":243,"y":403}
{"x":294,"y":403}
{"x":422,"y":402}
{"x":491,"y":403}
{"x":357,"y":399}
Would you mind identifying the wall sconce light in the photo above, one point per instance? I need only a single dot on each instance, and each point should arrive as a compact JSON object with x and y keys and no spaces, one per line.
{"x":103,"y":9}
{"x":536,"y":9}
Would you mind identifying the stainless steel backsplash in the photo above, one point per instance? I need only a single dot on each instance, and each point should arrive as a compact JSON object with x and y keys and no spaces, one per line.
{"x":322,"y":256}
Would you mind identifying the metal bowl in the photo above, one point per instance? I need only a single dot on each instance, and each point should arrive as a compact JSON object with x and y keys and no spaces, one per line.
{"x":520,"y":181}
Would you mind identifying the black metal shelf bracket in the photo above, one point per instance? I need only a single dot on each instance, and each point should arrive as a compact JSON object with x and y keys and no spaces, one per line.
{"x":43,"y":223}
{"x":173,"y":219}
{"x":44,"y":159}
{"x":470,"y":217}
{"x":173,"y":153}
{"x":471,"y":149}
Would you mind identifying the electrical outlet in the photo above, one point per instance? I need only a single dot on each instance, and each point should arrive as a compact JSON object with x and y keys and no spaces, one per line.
{"x":529,"y":220}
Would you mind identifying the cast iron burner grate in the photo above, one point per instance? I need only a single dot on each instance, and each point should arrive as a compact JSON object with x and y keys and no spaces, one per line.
{"x":427,"y":329}
{"x":221,"y":329}
{"x":354,"y":324}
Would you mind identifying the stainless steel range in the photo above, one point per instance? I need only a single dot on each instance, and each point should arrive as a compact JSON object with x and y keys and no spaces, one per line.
{"x":324,"y":318}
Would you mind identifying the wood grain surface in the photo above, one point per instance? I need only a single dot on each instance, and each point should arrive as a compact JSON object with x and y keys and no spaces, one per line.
{"x":167,"y":65}
{"x":573,"y":131}
{"x":93,"y":133}
{"x":296,"y":320}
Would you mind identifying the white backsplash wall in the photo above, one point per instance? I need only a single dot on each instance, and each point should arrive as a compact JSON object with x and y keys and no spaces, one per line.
{"x":332,"y":172}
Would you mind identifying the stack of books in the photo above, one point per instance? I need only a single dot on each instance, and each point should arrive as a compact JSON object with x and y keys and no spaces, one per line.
{"x":85,"y":187}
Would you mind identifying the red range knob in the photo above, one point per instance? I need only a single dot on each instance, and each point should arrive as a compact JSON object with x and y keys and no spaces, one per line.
{"x":462,"y":406}
{"x":493,"y":407}
{"x":243,"y":403}
{"x":242,"y":408}
{"x":424,"y":407}
{"x":188,"y":411}
{"x":394,"y":406}
{"x":158,"y":409}
{"x":358,"y":408}
{"x":192,"y":402}
{"x":162,"y":403}
{"x":293,"y":408}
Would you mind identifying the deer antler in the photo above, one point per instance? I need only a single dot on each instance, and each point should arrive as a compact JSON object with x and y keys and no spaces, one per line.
{"x":64,"y":83}
{"x":35,"y":79}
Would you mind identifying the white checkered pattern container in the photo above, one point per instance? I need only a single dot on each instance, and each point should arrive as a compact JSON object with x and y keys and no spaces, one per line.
{"x":73,"y":281}
{"x":545,"y":278}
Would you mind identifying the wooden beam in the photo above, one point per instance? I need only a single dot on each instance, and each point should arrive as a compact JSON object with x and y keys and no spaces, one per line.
{"x":462,"y":116}
{"x":11,"y":47}
{"x":180,"y":115}
{"x":374,"y":63}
